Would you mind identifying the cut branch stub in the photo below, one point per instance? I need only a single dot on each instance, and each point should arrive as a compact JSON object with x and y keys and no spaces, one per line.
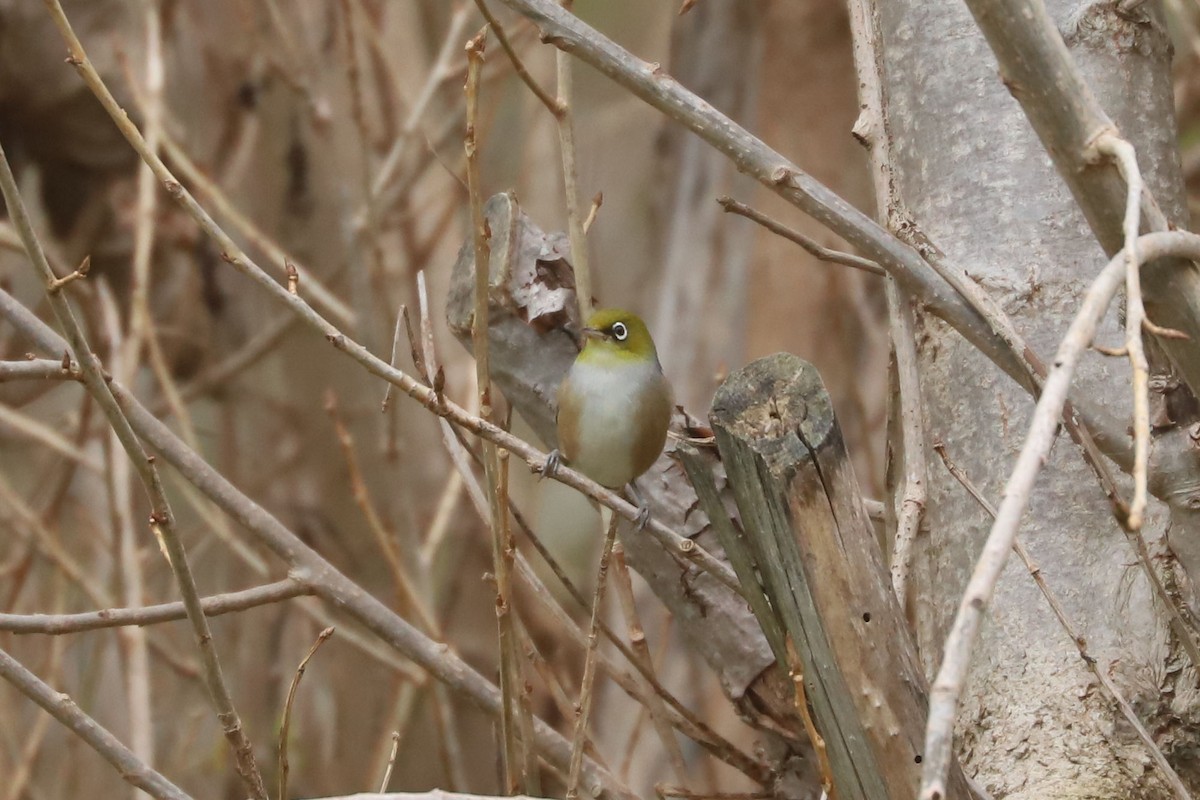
{"x":824,"y":575}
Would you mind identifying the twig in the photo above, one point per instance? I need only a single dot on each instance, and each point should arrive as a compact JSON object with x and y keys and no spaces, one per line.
{"x":816,"y":250}
{"x":56,"y":285}
{"x":587,"y":682}
{"x":391,"y":762}
{"x":558,"y":694}
{"x":365,"y":244}
{"x":681,"y":717}
{"x":947,"y":687}
{"x":38,"y":369}
{"x":1156,"y":754}
{"x":514,"y":774}
{"x":213,"y":606}
{"x":566,"y":142}
{"x":597,"y":201}
{"x":18,"y":779}
{"x":63,"y":708}
{"x":530,"y":777}
{"x":796,"y":673}
{"x":623,"y":585}
{"x":1123,"y":154}
{"x":635,"y":734}
{"x":145,"y":227}
{"x":677,"y":791}
{"x":133,"y":640}
{"x":912,"y":493}
{"x":286,"y":725}
{"x":161,"y":519}
{"x":406,"y":589}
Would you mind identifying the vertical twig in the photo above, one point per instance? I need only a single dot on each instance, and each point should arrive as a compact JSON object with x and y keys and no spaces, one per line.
{"x":871,"y":130}
{"x":800,"y":699}
{"x":406,"y":589}
{"x":515,"y":773}
{"x":912,"y":492}
{"x":365,"y":243}
{"x":286,"y":725}
{"x":530,"y":780}
{"x":623,"y":586}
{"x":130,"y":578}
{"x":391,"y":762}
{"x":1122,"y":152}
{"x":438,"y":73}
{"x":147,"y":194}
{"x":587,"y":683}
{"x":566,"y":141}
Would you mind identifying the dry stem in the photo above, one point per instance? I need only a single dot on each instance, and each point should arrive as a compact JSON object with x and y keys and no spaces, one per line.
{"x":817,"y":251}
{"x":587,"y":683}
{"x":286,"y":725}
{"x":1122,"y":152}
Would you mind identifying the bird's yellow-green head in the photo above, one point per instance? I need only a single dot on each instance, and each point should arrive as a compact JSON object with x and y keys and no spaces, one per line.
{"x":616,"y":336}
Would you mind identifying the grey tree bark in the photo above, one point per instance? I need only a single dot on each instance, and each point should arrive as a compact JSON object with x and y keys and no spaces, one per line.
{"x":975,"y":178}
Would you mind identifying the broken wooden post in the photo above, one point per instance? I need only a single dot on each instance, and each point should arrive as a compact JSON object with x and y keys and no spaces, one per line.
{"x":820,"y":567}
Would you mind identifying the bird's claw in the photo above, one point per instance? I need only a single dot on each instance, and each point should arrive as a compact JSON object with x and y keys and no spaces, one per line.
{"x":643,"y":518}
{"x":552,"y":463}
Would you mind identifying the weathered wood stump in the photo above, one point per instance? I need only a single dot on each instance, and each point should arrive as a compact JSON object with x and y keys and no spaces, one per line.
{"x":809,"y":550}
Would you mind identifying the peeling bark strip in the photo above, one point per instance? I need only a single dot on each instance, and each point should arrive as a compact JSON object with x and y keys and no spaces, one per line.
{"x":824,"y":575}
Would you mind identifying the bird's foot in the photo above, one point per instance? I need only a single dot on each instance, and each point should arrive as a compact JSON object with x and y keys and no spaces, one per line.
{"x":552,"y":463}
{"x":643,"y":518}
{"x":643,"y":515}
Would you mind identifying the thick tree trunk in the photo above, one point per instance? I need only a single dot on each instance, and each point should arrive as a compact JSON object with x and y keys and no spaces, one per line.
{"x":978,"y":183}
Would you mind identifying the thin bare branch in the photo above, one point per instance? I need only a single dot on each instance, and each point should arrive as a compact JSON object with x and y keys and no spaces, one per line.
{"x":214,"y":606}
{"x":286,"y":725}
{"x":817,"y":251}
{"x":1120,"y":151}
{"x":575,"y":214}
{"x":587,"y":689}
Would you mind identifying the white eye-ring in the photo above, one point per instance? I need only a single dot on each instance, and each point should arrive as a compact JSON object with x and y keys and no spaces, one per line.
{"x":619,"y":331}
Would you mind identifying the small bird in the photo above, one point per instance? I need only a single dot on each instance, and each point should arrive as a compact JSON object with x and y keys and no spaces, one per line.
{"x":614,"y":405}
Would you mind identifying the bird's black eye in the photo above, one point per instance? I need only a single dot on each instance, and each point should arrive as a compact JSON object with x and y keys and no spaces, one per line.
{"x":619,"y":331}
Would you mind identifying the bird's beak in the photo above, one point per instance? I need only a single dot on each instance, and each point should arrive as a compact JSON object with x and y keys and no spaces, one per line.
{"x":594,"y":333}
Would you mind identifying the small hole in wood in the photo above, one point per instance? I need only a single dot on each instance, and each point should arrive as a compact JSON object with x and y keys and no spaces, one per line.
{"x":917,"y":759}
{"x":866,"y":616}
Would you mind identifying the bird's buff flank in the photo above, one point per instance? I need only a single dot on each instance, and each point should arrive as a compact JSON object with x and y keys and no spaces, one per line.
{"x":614,"y":405}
